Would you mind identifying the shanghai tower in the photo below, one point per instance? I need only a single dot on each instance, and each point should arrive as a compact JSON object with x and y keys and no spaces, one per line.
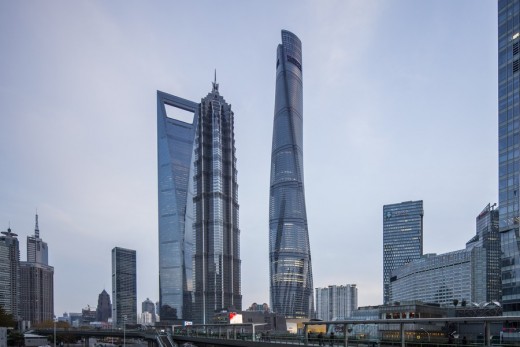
{"x":291,"y":287}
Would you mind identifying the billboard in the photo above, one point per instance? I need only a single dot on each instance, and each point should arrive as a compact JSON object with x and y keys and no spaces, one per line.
{"x":235,"y":318}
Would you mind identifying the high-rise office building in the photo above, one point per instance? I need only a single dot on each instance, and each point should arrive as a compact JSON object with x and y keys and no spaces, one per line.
{"x":149,"y":306}
{"x":440,"y":278}
{"x":175,"y":140}
{"x":36,"y":292}
{"x":124,"y":287}
{"x":336,"y":302}
{"x":509,"y":150}
{"x":291,"y":286}
{"x":36,"y":281}
{"x":217,"y":234}
{"x":10,"y":273}
{"x":37,"y":250}
{"x":402,"y":238}
{"x":199,"y":236}
{"x":104,"y":307}
{"x":488,"y":238}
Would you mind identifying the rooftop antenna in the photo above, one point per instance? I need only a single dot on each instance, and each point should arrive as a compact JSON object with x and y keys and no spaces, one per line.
{"x":36,"y":229}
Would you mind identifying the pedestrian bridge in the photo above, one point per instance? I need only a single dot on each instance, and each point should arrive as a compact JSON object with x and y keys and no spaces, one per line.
{"x":415,"y":332}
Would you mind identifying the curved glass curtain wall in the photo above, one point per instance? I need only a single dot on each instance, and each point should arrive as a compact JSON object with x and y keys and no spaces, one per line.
{"x":291,"y":286}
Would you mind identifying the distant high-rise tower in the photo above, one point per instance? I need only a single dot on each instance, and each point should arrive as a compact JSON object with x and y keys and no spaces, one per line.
{"x":198,"y":209}
{"x":402,"y":239}
{"x":9,"y":272}
{"x":124,"y":287}
{"x":291,"y":286}
{"x":488,"y":237}
{"x":36,"y":281}
{"x":37,"y":251}
{"x":148,"y":306}
{"x":104,"y":307}
{"x":508,"y":151}
{"x":336,"y":302}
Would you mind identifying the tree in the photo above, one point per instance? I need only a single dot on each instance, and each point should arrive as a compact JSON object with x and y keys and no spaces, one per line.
{"x":6,"y":319}
{"x":455,"y":302}
{"x":15,"y":338}
{"x":49,"y":324}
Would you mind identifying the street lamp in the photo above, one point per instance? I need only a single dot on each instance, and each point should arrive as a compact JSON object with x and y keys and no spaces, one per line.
{"x":124,"y":331}
{"x":54,"y":318}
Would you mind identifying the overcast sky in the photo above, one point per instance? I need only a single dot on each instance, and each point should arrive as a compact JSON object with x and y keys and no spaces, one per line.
{"x":400,"y":103}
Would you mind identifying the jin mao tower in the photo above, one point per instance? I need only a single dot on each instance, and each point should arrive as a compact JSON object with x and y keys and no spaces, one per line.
{"x":199,"y":235}
{"x":291,"y":286}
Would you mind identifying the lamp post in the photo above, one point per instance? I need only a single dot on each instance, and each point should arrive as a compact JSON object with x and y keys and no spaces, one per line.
{"x":54,"y":319}
{"x":124,"y":331}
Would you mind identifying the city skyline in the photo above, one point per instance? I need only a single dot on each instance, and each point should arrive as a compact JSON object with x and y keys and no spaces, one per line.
{"x":394,"y":115}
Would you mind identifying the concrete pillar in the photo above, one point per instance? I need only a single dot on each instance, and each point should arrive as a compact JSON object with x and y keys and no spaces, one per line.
{"x":345,"y":333}
{"x":487,"y":334}
{"x":305,"y":339}
{"x":401,"y":329}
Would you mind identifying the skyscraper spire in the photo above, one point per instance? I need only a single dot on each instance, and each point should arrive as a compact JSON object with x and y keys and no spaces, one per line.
{"x":36,"y":229}
{"x":215,"y":84}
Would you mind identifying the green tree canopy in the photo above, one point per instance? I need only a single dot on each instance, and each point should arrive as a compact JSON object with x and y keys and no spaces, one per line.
{"x":6,"y":319}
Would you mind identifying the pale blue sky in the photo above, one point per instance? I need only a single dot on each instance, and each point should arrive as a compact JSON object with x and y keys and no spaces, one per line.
{"x":400,"y":103}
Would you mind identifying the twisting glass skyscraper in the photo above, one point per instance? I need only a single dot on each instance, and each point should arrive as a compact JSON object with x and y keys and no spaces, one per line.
{"x":509,"y":150}
{"x":199,"y":236}
{"x":291,"y":286}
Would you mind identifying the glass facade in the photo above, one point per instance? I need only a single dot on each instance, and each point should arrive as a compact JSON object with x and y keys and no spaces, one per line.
{"x":471,"y":274}
{"x":217,"y":233}
{"x":37,"y":250}
{"x":291,"y":284}
{"x":402,"y":239}
{"x":199,"y":235}
{"x":36,"y":281}
{"x":336,"y":302}
{"x":10,"y":272}
{"x":175,"y":143}
{"x":488,"y":238}
{"x":36,"y":292}
{"x":124,"y":287}
{"x":439,"y":278}
{"x":509,"y":150}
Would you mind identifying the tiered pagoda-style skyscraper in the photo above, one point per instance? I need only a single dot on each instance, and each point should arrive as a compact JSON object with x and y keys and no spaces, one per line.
{"x":291,"y":285}
{"x":199,"y":236}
